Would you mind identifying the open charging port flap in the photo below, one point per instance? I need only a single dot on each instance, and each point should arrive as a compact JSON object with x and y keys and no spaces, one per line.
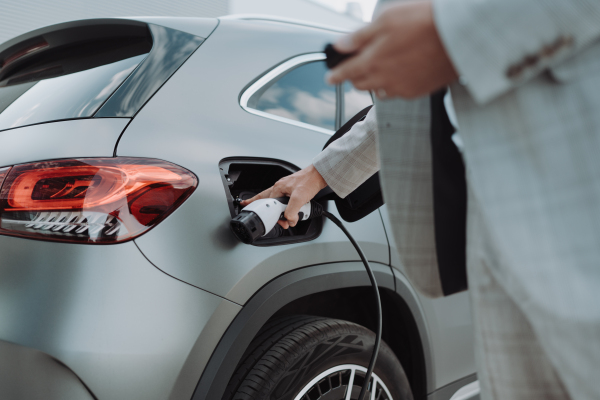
{"x":244,"y":177}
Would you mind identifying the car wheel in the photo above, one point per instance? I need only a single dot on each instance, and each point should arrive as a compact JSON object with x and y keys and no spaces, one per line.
{"x":314,"y":358}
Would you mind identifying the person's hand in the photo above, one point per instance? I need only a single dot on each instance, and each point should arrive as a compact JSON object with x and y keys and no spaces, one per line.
{"x":399,"y":54}
{"x":301,"y":187}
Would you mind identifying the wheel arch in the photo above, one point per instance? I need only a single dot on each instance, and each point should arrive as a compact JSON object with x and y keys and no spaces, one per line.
{"x":305,"y":291}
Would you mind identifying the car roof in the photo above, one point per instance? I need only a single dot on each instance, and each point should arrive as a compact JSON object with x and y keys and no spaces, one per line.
{"x":202,"y":26}
{"x":291,"y":21}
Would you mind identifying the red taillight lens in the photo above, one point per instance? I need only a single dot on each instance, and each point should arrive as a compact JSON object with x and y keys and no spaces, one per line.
{"x":94,"y":200}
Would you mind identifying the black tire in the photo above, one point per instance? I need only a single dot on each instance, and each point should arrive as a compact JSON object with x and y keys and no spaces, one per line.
{"x":288,"y":353}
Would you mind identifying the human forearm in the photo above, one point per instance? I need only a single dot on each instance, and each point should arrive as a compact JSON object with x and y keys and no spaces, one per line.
{"x":349,"y":161}
{"x":343,"y":165}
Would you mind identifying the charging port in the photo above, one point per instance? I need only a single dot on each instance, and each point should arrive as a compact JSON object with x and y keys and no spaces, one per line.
{"x":244,"y":177}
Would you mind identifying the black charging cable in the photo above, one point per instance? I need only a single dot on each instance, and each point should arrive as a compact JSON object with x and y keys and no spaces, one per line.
{"x":249,"y":225}
{"x":365,"y":386}
{"x":333,"y":58}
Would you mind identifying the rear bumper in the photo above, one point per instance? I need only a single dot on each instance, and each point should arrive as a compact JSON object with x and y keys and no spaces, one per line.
{"x":26,"y":373}
{"x":80,"y":319}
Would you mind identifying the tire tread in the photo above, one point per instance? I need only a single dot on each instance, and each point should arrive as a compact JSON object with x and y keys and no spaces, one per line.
{"x":265,"y":339}
{"x":283,"y":342}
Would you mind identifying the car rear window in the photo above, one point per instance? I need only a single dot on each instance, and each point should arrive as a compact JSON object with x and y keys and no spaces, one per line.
{"x":76,"y":95}
{"x":68,"y":70}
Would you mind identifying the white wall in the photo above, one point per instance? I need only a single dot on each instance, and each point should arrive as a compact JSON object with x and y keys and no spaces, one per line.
{"x":297,"y":9}
{"x":20,"y":16}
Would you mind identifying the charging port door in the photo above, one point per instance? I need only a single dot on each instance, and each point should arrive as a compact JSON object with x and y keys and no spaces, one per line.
{"x":244,"y":177}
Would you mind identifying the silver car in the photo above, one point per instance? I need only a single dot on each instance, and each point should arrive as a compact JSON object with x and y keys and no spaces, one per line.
{"x":125,"y":146}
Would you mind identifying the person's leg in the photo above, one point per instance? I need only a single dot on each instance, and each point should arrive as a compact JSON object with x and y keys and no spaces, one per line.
{"x":511,"y":362}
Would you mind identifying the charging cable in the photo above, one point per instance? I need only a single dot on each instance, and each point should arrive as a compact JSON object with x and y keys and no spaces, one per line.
{"x":336,"y":221}
{"x":260,"y":217}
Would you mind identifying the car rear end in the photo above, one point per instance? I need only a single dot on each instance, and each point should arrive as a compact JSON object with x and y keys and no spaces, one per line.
{"x":83,"y":314}
{"x":107,"y":292}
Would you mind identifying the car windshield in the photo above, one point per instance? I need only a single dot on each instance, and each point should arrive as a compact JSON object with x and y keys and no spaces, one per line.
{"x":76,"y":95}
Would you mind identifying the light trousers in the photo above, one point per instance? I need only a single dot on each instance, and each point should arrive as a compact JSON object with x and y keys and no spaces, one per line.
{"x":512,"y":363}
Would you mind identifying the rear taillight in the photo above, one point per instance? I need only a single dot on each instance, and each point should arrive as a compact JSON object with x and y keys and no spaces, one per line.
{"x":92,"y":200}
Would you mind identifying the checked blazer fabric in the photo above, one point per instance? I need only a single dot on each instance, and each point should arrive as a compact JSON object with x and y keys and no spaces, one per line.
{"x":406,"y":179}
{"x":529,"y":121}
{"x":527,"y":111}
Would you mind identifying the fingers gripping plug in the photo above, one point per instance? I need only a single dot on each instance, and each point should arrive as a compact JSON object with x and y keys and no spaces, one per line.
{"x":334,"y":57}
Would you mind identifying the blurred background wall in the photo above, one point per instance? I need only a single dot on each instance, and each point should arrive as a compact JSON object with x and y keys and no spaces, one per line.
{"x":349,"y":17}
{"x":20,"y":16}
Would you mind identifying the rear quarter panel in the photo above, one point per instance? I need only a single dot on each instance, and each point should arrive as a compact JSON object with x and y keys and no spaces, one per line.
{"x":195,"y":120}
{"x":62,"y":139}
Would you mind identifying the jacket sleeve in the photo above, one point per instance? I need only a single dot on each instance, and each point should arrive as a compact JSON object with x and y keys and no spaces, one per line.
{"x":496,"y":45}
{"x":352,"y":159}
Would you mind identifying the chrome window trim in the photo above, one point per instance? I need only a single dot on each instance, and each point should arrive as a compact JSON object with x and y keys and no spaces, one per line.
{"x":269,"y":77}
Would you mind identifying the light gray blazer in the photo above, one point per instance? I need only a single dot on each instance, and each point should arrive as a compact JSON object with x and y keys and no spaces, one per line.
{"x":529,"y":117}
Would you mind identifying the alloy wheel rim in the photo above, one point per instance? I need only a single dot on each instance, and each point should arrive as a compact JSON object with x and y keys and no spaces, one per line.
{"x":333,"y":384}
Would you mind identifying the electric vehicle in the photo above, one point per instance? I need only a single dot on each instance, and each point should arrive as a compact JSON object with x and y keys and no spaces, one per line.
{"x":125,"y":146}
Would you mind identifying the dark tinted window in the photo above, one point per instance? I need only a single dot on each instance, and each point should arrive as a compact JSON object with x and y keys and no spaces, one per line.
{"x":171,"y":48}
{"x":9,"y":94}
{"x":76,"y":95}
{"x":354,"y":101}
{"x":68,"y":70}
{"x":300,"y":95}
